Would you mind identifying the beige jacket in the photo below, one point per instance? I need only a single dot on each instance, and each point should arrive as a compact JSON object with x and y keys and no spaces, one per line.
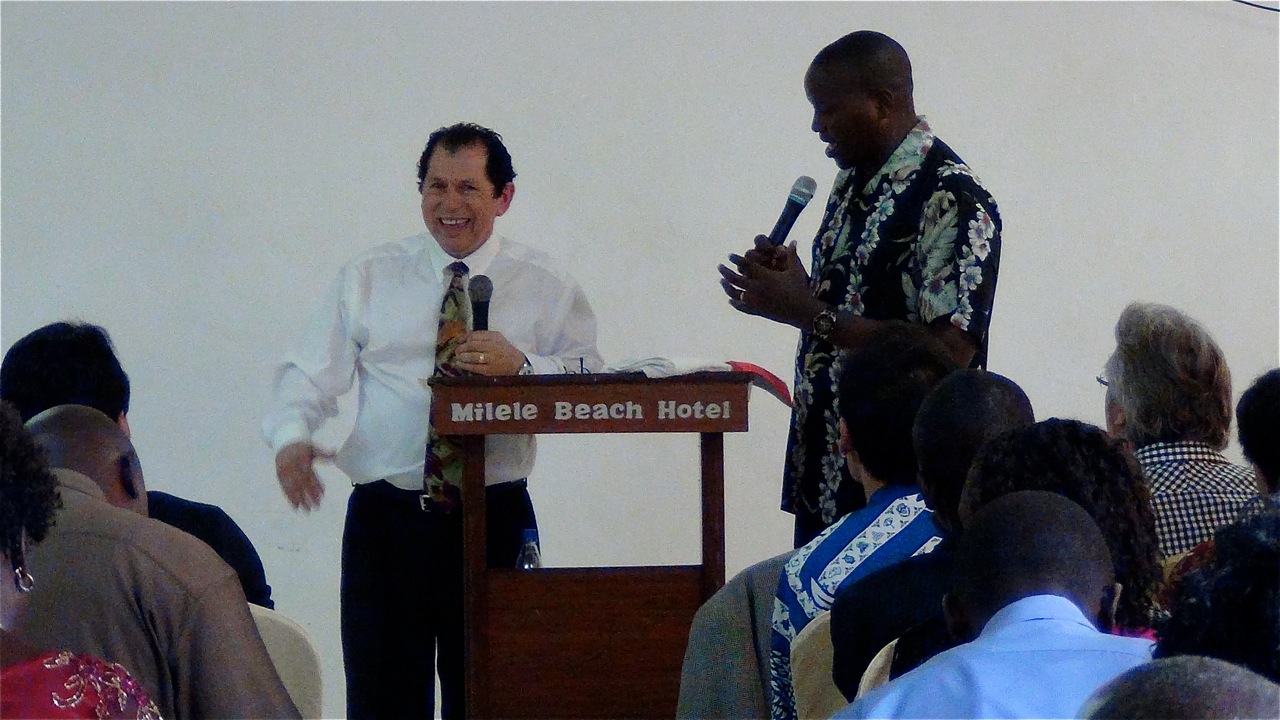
{"x":156,"y":600}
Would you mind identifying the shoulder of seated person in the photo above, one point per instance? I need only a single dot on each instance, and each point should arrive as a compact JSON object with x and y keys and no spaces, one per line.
{"x":180,"y":555}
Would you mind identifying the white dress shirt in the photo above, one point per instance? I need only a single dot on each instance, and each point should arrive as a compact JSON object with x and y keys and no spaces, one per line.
{"x":378,"y":323}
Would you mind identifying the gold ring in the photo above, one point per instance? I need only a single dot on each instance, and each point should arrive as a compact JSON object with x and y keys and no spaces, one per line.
{"x":481,"y":358}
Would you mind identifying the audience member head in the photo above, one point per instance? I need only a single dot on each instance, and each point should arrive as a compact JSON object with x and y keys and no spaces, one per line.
{"x":861,"y":90}
{"x":1167,"y":380}
{"x":1185,"y":688}
{"x":964,"y":411}
{"x":453,"y":138}
{"x":882,"y":384}
{"x":82,"y":439}
{"x":1082,"y":463}
{"x":1229,"y":607}
{"x":1025,"y":544}
{"x":28,"y":501}
{"x":65,"y":363}
{"x":1258,"y":422}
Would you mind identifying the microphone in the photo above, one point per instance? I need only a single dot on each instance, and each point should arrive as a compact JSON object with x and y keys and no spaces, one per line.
{"x":480,"y":289}
{"x":801,"y":194}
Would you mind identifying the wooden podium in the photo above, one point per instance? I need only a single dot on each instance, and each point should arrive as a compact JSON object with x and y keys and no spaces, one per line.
{"x":599,"y":642}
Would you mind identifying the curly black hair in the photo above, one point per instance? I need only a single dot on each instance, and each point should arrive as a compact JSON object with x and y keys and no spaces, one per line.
{"x":28,"y":491}
{"x":1086,"y":465}
{"x":1229,"y":608}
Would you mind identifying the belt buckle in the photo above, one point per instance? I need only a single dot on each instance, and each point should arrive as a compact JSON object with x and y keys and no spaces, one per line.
{"x":424,"y":502}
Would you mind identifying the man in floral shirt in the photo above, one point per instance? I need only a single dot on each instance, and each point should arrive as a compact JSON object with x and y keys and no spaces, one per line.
{"x":909,"y":236}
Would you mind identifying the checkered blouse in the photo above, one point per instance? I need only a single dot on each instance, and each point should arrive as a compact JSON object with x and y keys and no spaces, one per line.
{"x":1195,"y":491}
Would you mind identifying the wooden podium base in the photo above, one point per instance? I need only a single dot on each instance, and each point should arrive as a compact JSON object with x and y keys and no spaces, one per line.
{"x":587,"y":642}
{"x":584,"y":642}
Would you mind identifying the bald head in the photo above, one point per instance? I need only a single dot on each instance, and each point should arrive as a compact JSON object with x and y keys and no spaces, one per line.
{"x":965,"y":410}
{"x":82,"y":439}
{"x":1024,"y":544}
{"x":1185,"y":688}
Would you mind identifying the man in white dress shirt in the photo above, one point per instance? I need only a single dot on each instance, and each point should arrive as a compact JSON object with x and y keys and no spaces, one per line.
{"x":378,"y":323}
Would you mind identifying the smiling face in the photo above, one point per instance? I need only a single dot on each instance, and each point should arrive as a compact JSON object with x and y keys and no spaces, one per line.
{"x":848,"y":119}
{"x":459,"y":202}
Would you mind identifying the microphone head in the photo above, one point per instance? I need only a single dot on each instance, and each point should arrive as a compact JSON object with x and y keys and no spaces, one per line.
{"x":480,"y":289}
{"x":802,"y":192}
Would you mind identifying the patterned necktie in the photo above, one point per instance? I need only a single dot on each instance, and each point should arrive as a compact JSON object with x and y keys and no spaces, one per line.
{"x":443,"y":471}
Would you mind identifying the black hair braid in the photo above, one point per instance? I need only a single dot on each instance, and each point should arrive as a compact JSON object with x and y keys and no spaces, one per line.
{"x":28,"y":491}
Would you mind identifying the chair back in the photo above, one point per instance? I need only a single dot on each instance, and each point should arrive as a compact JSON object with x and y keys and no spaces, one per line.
{"x":815,"y":690}
{"x":877,"y":672}
{"x":295,"y":658}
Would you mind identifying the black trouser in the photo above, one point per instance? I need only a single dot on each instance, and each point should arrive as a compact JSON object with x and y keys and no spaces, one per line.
{"x":402,"y":596}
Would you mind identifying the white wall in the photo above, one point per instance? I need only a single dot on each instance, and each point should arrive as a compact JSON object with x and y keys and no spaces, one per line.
{"x":191,"y":175}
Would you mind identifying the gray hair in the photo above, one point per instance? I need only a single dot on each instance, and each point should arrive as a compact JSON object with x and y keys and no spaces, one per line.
{"x":1169,"y":377}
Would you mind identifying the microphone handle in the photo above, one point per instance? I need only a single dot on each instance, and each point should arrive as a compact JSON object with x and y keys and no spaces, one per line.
{"x":480,"y":315}
{"x":790,"y":212}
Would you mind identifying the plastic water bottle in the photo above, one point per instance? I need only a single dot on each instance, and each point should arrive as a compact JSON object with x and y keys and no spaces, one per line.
{"x":530,"y":557}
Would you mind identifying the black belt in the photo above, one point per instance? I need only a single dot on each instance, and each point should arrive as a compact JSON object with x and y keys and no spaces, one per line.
{"x":419,"y":498}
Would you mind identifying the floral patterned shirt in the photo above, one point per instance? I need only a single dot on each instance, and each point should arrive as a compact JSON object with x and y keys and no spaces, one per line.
{"x":920,"y":242}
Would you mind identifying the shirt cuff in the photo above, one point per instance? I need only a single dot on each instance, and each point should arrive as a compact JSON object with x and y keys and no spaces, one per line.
{"x":288,"y":433}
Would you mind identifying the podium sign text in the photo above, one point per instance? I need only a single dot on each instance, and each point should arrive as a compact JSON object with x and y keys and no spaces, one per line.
{"x":594,"y":404}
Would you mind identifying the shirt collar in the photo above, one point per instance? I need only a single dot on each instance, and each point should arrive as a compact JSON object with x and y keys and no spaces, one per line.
{"x":905,"y":159}
{"x":76,"y":482}
{"x":1178,"y":451}
{"x":478,"y":261}
{"x":1036,"y":607}
{"x":889,"y":493}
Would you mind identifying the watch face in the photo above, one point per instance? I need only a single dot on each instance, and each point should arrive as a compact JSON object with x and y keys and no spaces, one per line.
{"x":824,"y":323}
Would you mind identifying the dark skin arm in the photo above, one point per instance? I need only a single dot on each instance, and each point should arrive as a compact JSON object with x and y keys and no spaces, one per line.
{"x":771,"y":282}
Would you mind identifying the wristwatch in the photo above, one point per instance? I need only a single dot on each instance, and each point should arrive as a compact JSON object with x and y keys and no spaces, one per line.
{"x":824,"y":323}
